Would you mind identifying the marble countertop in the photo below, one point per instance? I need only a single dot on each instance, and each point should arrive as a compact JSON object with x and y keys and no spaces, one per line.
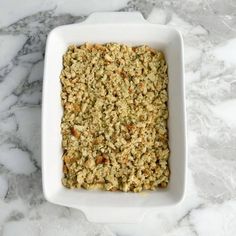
{"x":209,"y":31}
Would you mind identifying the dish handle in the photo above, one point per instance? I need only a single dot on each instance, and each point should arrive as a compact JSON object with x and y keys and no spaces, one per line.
{"x":115,"y":18}
{"x":114,"y":215}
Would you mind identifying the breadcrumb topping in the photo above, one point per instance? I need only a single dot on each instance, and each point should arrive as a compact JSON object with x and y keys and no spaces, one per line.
{"x":114,"y":126}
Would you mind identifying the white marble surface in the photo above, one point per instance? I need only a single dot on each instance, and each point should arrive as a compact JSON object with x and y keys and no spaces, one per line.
{"x":209,"y":31}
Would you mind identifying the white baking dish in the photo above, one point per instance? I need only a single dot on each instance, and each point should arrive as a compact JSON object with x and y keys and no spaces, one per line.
{"x":122,"y":27}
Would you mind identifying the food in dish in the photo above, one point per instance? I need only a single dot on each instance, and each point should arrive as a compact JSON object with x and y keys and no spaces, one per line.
{"x":114,"y":125}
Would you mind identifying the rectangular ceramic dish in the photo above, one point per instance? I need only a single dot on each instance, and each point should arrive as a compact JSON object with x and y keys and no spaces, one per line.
{"x":128,"y":28}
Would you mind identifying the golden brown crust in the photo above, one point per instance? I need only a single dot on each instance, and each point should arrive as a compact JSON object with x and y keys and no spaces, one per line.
{"x":114,"y":126}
